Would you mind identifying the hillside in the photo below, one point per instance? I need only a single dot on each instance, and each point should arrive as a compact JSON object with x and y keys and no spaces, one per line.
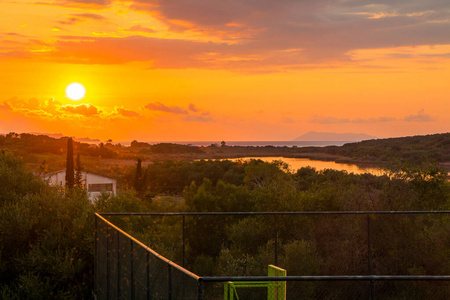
{"x":45,"y":154}
{"x":413,"y":149}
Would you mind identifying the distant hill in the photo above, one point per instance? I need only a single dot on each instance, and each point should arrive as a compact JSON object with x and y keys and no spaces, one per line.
{"x":414,"y":149}
{"x":333,"y":136}
{"x":60,"y":135}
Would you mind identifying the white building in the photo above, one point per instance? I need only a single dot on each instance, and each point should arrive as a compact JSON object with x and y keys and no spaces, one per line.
{"x":93,"y":183}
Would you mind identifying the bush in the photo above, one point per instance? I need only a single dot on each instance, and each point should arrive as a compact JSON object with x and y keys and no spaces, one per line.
{"x":47,"y":238}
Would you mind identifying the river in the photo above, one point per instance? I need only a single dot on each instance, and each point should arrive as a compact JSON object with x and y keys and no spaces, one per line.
{"x":297,"y":163}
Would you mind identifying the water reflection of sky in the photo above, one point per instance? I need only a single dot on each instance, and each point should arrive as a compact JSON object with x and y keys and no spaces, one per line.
{"x":297,"y":163}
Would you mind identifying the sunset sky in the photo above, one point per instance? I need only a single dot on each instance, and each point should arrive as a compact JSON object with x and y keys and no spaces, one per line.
{"x":180,"y":70}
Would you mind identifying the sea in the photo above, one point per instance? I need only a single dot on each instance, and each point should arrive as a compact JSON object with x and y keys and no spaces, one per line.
{"x":261,"y":143}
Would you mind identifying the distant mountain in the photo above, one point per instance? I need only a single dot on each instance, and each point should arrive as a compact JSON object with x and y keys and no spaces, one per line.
{"x":333,"y":136}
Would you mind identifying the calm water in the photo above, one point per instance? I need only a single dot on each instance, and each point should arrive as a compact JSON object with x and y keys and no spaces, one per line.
{"x":297,"y":163}
{"x":262,"y":143}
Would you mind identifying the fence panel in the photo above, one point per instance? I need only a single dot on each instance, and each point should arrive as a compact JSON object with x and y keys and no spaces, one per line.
{"x":101,"y":261}
{"x":127,"y":269}
{"x":323,"y":244}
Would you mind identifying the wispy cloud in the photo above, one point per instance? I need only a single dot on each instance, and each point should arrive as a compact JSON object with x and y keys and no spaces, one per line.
{"x":126,"y":112}
{"x":76,"y":18}
{"x":5,"y":106}
{"x":325,"y":31}
{"x":420,"y":116}
{"x":190,"y":114}
{"x":197,"y":118}
{"x":140,"y":28}
{"x":157,"y":106}
{"x":250,"y":36}
{"x":80,"y":4}
{"x":193,"y":108}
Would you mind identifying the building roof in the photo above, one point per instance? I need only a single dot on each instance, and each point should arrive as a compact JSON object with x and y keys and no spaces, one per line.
{"x":64,"y":170}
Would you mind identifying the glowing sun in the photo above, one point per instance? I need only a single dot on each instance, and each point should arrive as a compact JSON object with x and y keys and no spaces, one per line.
{"x":75,"y":91}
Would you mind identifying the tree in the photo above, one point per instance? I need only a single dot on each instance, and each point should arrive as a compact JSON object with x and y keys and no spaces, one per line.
{"x":44,"y":168}
{"x":70,"y":176}
{"x":139,"y":180}
{"x":78,"y":173}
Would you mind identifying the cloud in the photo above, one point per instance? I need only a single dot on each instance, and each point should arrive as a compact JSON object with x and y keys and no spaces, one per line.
{"x":197,"y":118}
{"x":83,"y":4}
{"x":14,"y":34}
{"x":32,"y":107}
{"x":86,"y":110}
{"x":420,"y":116}
{"x":324,"y":30}
{"x":139,"y":28}
{"x":126,"y":113}
{"x":161,"y":53}
{"x":52,"y":109}
{"x":5,"y":106}
{"x":333,"y":120}
{"x":288,"y":120}
{"x":76,"y":18}
{"x":193,"y":108}
{"x":157,"y":106}
{"x":329,"y":120}
{"x":191,"y":114}
{"x":254,"y":36}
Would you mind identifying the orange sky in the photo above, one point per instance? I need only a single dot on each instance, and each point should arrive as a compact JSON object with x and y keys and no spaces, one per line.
{"x":185,"y":70}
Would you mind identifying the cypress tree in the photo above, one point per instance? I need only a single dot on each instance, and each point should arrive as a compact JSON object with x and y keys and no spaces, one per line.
{"x":78,"y":172}
{"x":70,"y":176}
{"x":138,"y":181}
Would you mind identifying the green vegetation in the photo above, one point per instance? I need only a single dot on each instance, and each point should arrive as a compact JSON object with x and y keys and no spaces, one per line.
{"x":47,"y":235}
{"x":316,"y":245}
{"x":413,"y":149}
{"x":70,"y":171}
{"x":41,"y":152}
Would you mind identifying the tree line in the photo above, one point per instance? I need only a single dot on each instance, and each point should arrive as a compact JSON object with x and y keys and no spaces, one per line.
{"x":47,"y":235}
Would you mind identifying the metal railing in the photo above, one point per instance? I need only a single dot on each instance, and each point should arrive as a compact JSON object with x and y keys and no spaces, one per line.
{"x":128,"y":269}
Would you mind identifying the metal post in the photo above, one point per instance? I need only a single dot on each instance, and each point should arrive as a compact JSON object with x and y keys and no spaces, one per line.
{"x":169,"y":277}
{"x":369,"y":261}
{"x":184,"y":240}
{"x":96,"y":257}
{"x":108,"y":258}
{"x":200,"y":289}
{"x":276,"y":240}
{"x":131,"y":269}
{"x":369,"y":254}
{"x":148,"y":274}
{"x":372,"y":289}
{"x":184,"y":249}
{"x":118,"y":264}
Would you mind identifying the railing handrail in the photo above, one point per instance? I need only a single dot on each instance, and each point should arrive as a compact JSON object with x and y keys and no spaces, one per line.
{"x":147,"y":248}
{"x":369,"y":212}
{"x":372,"y":279}
{"x":329,"y":278}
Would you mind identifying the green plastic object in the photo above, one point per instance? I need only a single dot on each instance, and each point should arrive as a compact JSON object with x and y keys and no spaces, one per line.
{"x":276,"y":290}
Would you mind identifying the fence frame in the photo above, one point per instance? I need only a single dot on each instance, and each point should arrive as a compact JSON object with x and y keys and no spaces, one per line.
{"x":371,"y":279}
